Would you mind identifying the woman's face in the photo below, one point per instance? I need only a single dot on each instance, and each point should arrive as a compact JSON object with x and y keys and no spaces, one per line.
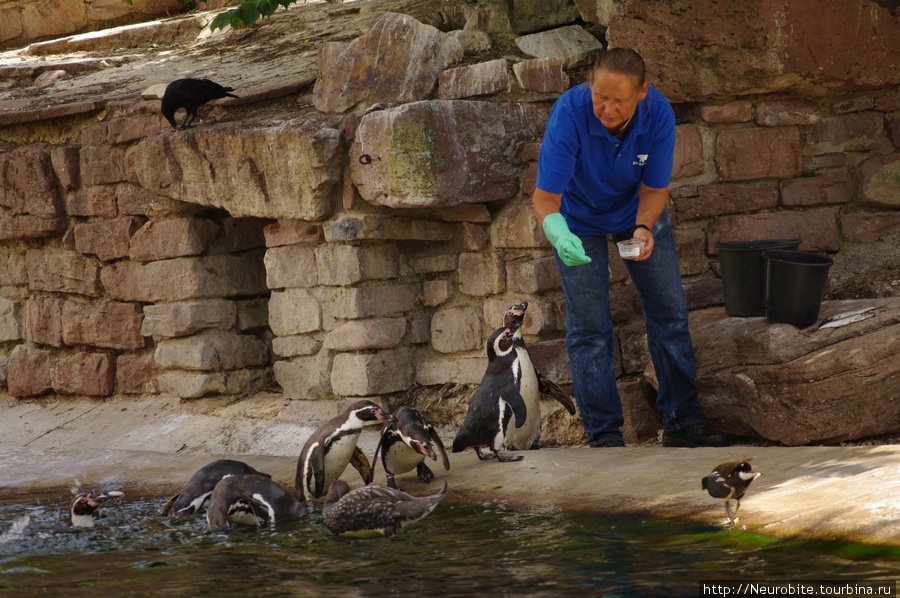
{"x":615,"y":97}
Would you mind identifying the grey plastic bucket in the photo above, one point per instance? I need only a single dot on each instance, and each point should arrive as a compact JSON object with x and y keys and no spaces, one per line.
{"x":744,"y":274}
{"x":795,"y":285}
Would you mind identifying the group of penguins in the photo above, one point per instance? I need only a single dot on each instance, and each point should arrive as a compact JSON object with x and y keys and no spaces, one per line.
{"x":503,"y":413}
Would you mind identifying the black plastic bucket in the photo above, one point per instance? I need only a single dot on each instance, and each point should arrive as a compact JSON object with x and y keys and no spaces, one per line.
{"x":795,"y":285}
{"x":744,"y":274}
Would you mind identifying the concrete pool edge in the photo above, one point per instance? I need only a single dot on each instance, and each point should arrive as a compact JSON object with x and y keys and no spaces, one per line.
{"x":843,"y":494}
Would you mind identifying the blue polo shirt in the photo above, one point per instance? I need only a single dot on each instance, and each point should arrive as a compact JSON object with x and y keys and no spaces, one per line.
{"x":598,"y":175}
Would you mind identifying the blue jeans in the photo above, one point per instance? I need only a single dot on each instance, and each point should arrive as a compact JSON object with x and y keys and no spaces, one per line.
{"x":590,"y":340}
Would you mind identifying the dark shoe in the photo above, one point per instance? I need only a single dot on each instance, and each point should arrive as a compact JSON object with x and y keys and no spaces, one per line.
{"x":694,"y":435}
{"x":609,"y":443}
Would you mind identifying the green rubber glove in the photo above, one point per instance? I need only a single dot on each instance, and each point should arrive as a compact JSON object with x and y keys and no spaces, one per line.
{"x":568,"y":246}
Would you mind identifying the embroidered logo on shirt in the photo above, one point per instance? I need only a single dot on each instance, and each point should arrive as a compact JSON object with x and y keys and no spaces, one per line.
{"x":641,"y":160}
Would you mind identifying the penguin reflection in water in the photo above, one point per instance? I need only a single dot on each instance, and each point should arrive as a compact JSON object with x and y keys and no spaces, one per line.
{"x":195,"y":495}
{"x":332,"y":447}
{"x":374,"y":510}
{"x":250,"y":500}
{"x":404,"y":445}
{"x":730,"y":480}
{"x":499,"y":415}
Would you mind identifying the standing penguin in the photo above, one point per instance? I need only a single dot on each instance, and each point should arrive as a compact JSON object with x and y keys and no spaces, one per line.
{"x":498,"y":406}
{"x":405,"y":443}
{"x":332,"y":447}
{"x":195,"y":495}
{"x":250,"y":499}
{"x":545,"y":386}
{"x":730,"y":480}
{"x":373,"y":510}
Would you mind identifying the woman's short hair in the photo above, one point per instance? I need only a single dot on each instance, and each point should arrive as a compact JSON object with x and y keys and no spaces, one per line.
{"x":623,"y":61}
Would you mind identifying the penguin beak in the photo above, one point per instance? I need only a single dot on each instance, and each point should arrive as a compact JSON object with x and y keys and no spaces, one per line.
{"x":385,"y":416}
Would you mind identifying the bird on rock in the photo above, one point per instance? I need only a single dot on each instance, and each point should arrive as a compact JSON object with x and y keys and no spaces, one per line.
{"x":497,"y":407}
{"x":730,"y":481}
{"x":332,"y":447}
{"x":84,"y":504}
{"x":527,"y":437}
{"x":195,"y":495}
{"x":250,"y":499}
{"x":190,"y":94}
{"x":406,"y":442}
{"x":374,"y":510}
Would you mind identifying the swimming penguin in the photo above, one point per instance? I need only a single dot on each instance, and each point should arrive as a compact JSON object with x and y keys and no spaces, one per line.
{"x":332,"y":447}
{"x":497,"y":405}
{"x":195,"y":495}
{"x":250,"y":499}
{"x":730,"y":480}
{"x":84,"y":504}
{"x":545,"y":386}
{"x":405,"y":443}
{"x":374,"y":510}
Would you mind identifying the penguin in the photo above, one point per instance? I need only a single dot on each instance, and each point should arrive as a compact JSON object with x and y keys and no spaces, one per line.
{"x":528,"y":437}
{"x":497,"y":405}
{"x":374,"y":510}
{"x":250,"y":499}
{"x":404,"y":445}
{"x":81,"y":513}
{"x":195,"y":495}
{"x":332,"y":447}
{"x":730,"y":480}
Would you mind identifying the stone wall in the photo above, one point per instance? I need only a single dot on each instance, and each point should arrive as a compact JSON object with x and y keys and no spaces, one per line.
{"x":26,"y":21}
{"x":369,"y":243}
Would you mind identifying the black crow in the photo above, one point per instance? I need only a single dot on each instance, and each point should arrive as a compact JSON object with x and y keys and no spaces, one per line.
{"x":190,"y":94}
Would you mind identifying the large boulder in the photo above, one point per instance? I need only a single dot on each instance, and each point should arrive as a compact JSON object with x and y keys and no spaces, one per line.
{"x":285,"y":169}
{"x":442,"y":153}
{"x":758,"y":378}
{"x":704,"y":49}
{"x":397,"y":60}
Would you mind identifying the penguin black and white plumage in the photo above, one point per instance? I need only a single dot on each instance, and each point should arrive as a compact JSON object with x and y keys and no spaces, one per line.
{"x":374,"y":510}
{"x":81,"y":512}
{"x":332,"y":447}
{"x":528,"y":437}
{"x":195,"y":495}
{"x":250,"y":499}
{"x":730,"y":481}
{"x":406,"y":442}
{"x":497,"y":405}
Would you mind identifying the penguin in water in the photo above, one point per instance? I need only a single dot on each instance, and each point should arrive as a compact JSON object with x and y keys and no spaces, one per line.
{"x":374,"y":510}
{"x":497,"y":405}
{"x":332,"y":447}
{"x":250,"y":499}
{"x":545,"y":386}
{"x":81,"y":513}
{"x":195,"y":495}
{"x":404,"y":445}
{"x":730,"y":480}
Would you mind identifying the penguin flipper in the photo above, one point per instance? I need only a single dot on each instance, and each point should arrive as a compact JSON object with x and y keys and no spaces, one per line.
{"x":317,"y":461}
{"x":514,"y":399}
{"x":551,"y":389}
{"x":437,"y":441}
{"x":168,"y":506}
{"x":361,"y":464}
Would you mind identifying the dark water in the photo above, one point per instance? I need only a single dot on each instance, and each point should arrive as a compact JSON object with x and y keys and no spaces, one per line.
{"x":456,"y":551}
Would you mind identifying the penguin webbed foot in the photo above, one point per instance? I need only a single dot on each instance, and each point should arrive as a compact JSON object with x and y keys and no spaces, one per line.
{"x":424,"y":473}
{"x":392,"y":483}
{"x":482,"y":456}
{"x":507,"y":459}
